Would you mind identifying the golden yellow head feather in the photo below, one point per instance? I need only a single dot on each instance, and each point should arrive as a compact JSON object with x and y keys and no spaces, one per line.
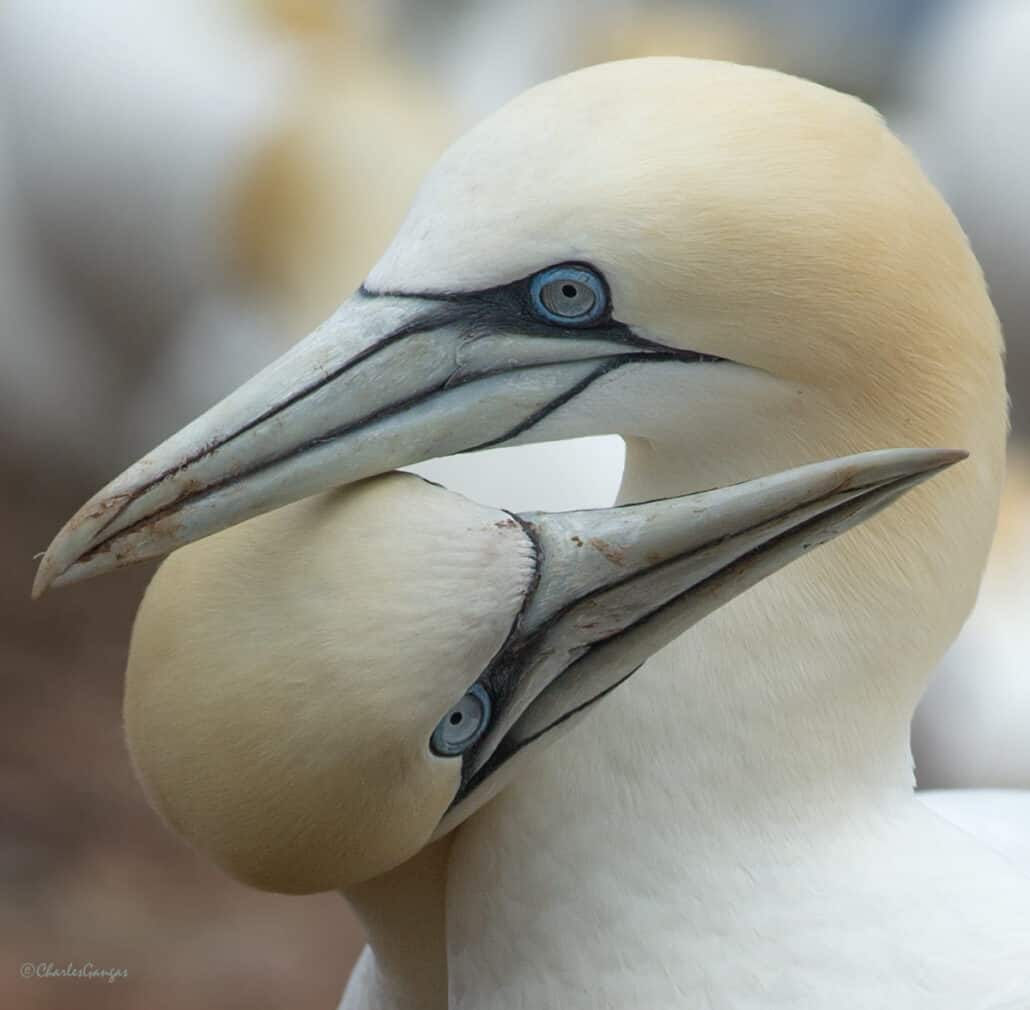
{"x":282,"y":725}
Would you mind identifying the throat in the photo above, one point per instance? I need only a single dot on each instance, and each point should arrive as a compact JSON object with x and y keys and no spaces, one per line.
{"x":404,"y":966}
{"x":807,"y":681}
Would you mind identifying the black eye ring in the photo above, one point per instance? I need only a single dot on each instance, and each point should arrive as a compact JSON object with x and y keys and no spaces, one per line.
{"x":569,"y":295}
{"x":463,"y":724}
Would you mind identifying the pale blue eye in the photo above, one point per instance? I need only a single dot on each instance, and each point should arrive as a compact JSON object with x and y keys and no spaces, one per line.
{"x":463,"y":725}
{"x":569,"y":295}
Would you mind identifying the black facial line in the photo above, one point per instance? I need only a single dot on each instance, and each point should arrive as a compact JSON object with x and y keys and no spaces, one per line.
{"x":521,"y":283}
{"x":510,"y":661}
{"x":509,"y":307}
{"x":511,"y":304}
{"x":607,"y":365}
{"x":822,"y":523}
{"x":335,"y":433}
{"x":503,"y":754}
{"x":863,"y":490}
{"x":505,"y":307}
{"x":500,"y":689}
{"x":432,"y":319}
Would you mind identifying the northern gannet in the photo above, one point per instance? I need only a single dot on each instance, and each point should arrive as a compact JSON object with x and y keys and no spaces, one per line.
{"x":738,"y":271}
{"x":317,"y":695}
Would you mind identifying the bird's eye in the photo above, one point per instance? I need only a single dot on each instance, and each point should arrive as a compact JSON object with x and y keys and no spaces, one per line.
{"x":569,"y":295}
{"x":463,"y":725}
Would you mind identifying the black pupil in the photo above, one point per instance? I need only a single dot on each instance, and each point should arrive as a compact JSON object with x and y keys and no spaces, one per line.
{"x":456,"y":718}
{"x":569,"y":290}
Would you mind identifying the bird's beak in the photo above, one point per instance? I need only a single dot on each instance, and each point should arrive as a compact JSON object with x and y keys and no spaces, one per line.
{"x":616,"y":585}
{"x":387,"y":381}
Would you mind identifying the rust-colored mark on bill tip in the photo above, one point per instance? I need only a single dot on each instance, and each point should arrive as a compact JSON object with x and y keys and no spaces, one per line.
{"x":92,"y":513}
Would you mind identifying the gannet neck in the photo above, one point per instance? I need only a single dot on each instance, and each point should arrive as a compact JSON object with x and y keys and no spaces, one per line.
{"x":404,"y":966}
{"x":792,"y":668}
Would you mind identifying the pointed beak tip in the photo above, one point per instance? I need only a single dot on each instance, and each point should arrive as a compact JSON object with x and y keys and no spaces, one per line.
{"x":59,"y":560}
{"x":949,"y":456}
{"x":54,"y":568}
{"x":908,"y":464}
{"x":941,"y":459}
{"x":56,"y":572}
{"x":44,"y":579}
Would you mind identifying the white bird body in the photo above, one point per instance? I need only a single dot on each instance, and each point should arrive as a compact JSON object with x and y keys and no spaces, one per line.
{"x":769,"y":280}
{"x":997,"y":818}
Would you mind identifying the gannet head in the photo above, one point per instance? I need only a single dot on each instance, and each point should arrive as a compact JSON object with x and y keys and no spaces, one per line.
{"x":313,"y":696}
{"x":662,"y":247}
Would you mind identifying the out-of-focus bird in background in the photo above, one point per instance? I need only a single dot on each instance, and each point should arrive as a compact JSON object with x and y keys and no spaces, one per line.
{"x":124,"y":223}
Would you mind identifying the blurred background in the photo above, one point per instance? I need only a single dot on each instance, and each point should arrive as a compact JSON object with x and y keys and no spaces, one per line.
{"x":186,"y":186}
